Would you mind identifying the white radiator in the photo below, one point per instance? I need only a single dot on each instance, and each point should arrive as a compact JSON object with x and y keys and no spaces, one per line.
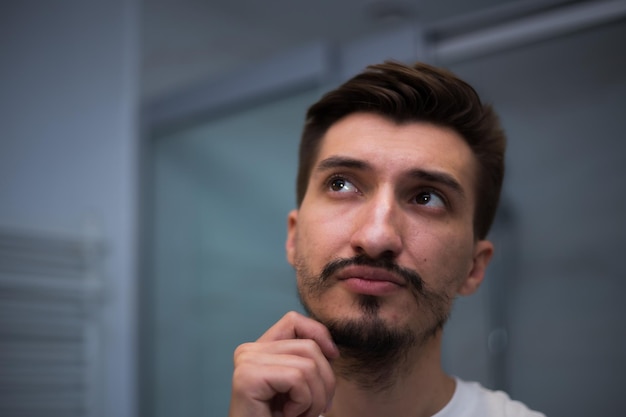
{"x":50,"y":331}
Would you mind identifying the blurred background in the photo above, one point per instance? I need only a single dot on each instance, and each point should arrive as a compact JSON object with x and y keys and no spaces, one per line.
{"x":147,"y":164}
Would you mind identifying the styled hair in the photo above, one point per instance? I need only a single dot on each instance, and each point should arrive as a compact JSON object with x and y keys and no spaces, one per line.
{"x":417,"y":93}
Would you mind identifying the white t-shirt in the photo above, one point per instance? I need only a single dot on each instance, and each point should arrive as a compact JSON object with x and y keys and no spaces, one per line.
{"x":471,"y":399}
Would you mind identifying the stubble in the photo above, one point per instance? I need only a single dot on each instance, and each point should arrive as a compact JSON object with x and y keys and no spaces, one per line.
{"x":374,"y":353}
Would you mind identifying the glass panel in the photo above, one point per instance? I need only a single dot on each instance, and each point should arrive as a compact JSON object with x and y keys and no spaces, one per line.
{"x":222,"y":193}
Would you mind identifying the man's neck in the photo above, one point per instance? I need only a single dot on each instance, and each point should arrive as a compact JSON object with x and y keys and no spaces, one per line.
{"x":419,"y":390}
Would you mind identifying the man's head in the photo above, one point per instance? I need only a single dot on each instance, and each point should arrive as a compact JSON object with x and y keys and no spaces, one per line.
{"x":400,"y":172}
{"x":420,"y":93}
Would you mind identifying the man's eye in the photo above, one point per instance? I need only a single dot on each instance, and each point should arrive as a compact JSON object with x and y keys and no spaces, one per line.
{"x":431,"y":199}
{"x":341,"y":185}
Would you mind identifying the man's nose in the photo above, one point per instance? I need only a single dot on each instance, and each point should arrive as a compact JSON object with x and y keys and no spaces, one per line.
{"x":377,"y":230}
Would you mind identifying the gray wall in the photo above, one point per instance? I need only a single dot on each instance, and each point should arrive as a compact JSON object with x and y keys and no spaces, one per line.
{"x":563,"y":103}
{"x":68,"y":148}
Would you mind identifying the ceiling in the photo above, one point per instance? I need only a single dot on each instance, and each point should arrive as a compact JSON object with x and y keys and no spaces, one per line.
{"x":188,"y":41}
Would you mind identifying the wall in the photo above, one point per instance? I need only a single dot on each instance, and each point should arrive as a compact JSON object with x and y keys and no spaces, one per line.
{"x":562,"y":103}
{"x":68,"y":149}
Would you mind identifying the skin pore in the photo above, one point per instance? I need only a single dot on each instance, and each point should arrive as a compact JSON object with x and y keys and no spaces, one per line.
{"x":382,"y":244}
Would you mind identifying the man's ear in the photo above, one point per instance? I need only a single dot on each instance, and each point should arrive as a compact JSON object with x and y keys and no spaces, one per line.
{"x":483,"y":251}
{"x":290,"y":244}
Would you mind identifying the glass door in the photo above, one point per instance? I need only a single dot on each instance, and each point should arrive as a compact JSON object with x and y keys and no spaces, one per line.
{"x":222,"y":191}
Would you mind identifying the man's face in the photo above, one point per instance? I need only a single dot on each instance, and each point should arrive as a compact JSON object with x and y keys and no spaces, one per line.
{"x":385,"y":230}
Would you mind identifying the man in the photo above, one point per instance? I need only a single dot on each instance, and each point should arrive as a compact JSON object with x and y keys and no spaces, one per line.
{"x":399,"y":179}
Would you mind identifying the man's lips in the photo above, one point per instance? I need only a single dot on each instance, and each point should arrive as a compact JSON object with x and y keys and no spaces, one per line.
{"x":370,"y":281}
{"x":368,"y":273}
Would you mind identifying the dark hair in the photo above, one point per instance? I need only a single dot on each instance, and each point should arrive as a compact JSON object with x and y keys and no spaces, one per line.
{"x":415,"y":93}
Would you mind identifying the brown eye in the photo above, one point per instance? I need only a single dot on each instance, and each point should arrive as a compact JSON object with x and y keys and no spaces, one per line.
{"x":337,"y":184}
{"x":423,"y":198}
{"x":430,"y":198}
{"x":341,"y":185}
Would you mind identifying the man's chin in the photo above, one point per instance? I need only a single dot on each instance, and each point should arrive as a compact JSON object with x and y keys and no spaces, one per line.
{"x":368,"y":333}
{"x":372,"y":351}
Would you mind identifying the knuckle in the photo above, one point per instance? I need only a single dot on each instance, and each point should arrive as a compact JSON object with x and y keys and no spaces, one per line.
{"x":291,"y":316}
{"x":242,"y":378}
{"x":242,"y":352}
{"x":299,"y":375}
{"x":241,"y":349}
{"x":311,"y":346}
{"x":309,"y":366}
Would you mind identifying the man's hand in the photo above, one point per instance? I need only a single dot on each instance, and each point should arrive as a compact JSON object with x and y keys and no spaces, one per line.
{"x":286,"y":372}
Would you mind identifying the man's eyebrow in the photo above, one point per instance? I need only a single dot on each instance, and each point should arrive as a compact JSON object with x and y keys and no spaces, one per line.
{"x":439,"y":178}
{"x":334,"y":162}
{"x":431,"y":176}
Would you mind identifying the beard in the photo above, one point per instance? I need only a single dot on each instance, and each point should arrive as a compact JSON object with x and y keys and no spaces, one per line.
{"x":374,"y":352}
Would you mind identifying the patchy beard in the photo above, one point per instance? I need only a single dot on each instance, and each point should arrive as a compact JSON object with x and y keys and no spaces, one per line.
{"x":374,"y":353}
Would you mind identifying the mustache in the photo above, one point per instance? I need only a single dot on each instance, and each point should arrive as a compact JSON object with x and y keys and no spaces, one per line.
{"x":412,"y":278}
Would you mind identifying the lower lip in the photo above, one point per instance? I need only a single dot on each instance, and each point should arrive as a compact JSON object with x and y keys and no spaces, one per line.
{"x":370,"y":287}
